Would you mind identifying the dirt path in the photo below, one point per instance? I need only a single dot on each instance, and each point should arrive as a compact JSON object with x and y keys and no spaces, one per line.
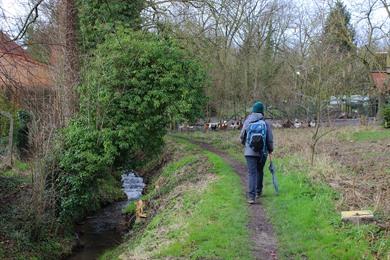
{"x":264,"y":241}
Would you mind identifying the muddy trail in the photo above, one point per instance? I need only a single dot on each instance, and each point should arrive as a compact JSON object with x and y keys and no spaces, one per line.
{"x":261,"y":231}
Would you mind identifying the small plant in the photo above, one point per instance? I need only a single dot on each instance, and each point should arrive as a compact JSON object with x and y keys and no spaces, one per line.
{"x":130,"y":208}
{"x":386,"y":116}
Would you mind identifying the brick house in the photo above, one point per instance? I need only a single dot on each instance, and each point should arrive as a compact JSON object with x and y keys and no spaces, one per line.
{"x":24,"y":81}
{"x":381,"y":77}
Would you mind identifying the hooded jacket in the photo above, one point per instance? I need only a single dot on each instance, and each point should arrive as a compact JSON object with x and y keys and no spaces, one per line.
{"x":269,"y":136}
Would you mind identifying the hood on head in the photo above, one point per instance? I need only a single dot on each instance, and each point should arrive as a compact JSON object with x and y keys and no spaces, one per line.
{"x":255,"y":116}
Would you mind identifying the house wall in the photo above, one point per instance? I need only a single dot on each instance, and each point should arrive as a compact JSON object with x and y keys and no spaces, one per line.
{"x":23,"y":80}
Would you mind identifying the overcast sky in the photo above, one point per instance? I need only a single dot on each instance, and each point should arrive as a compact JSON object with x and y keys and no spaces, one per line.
{"x":15,"y":10}
{"x":11,"y":13}
{"x":14,"y":7}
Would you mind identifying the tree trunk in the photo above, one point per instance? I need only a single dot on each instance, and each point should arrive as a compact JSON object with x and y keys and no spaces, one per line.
{"x":8,"y":158}
{"x":381,"y":105}
{"x":69,"y":101}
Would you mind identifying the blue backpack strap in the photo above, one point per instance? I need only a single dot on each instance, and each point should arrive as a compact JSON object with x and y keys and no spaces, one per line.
{"x":265,"y":135}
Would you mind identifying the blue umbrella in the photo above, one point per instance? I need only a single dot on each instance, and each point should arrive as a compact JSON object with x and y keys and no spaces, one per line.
{"x":274,"y":180}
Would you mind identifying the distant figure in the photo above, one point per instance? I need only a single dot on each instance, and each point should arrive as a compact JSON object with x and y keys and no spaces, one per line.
{"x":213,"y":126}
{"x":235,"y":124}
{"x":239,"y":124}
{"x":256,"y":135}
{"x":222,"y":125}
{"x":206,"y":127}
{"x":288,"y":124}
{"x":297,"y":124}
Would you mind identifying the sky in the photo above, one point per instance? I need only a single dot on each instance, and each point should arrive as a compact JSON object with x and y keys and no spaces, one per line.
{"x":15,"y":10}
{"x":14,"y":7}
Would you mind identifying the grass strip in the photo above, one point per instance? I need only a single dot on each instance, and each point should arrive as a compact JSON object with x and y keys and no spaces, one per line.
{"x":217,"y":227}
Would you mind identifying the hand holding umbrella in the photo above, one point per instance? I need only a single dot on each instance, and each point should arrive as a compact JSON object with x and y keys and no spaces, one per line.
{"x":272,"y":170}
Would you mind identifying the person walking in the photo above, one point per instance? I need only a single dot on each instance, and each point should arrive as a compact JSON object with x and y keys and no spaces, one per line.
{"x":256,"y":135}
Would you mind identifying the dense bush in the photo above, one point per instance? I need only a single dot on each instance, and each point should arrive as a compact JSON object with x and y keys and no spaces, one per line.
{"x":133,"y":87}
{"x":386,"y":116}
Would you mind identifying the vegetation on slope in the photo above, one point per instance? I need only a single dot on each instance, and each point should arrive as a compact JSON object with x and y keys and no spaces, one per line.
{"x":22,"y":234}
{"x":196,"y":209}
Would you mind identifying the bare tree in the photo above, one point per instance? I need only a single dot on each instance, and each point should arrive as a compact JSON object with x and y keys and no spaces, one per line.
{"x":68,"y":26}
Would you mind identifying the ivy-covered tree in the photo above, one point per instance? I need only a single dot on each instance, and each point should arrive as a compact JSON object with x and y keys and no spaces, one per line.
{"x":132,"y":87}
{"x":339,"y":32}
{"x":99,"y":18}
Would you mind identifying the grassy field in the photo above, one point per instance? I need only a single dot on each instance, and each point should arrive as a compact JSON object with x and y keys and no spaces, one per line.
{"x":195,"y":210}
{"x":350,"y":172}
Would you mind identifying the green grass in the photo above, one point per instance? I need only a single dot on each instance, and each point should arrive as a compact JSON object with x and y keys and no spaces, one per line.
{"x":17,"y":171}
{"x":360,"y":135}
{"x":206,"y":220}
{"x":371,"y":135}
{"x":306,"y":222}
{"x":304,"y":216}
{"x":172,"y":179}
{"x":217,"y":228}
{"x":168,"y":171}
{"x":21,"y":166}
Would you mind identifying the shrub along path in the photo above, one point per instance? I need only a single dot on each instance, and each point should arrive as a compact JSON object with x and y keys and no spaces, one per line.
{"x":262,"y":234}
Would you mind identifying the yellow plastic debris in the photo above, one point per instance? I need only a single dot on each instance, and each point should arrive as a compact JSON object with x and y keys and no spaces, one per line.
{"x":357,"y":215}
{"x":139,"y":213}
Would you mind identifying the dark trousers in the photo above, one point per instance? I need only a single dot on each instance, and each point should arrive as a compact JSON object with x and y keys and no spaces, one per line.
{"x":255,"y":174}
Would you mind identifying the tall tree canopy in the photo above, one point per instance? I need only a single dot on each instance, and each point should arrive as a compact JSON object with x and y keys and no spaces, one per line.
{"x":338,"y":31}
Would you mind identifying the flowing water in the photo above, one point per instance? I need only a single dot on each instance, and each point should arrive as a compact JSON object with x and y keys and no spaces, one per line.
{"x":104,"y":230}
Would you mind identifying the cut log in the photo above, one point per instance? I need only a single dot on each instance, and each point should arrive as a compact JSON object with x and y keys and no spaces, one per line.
{"x":357,"y":216}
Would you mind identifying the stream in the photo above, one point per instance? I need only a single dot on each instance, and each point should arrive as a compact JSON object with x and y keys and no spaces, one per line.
{"x":104,"y":230}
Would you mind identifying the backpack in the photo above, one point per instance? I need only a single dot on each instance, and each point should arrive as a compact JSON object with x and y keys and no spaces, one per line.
{"x":256,"y":135}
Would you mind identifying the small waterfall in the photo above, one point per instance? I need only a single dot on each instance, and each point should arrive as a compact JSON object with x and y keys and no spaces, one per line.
{"x":132,"y":185}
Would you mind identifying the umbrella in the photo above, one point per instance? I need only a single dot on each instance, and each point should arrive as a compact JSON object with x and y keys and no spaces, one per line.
{"x":272,"y":170}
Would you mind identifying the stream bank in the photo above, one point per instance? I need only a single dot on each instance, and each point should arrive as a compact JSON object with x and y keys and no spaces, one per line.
{"x":104,"y":229}
{"x":193,"y":209}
